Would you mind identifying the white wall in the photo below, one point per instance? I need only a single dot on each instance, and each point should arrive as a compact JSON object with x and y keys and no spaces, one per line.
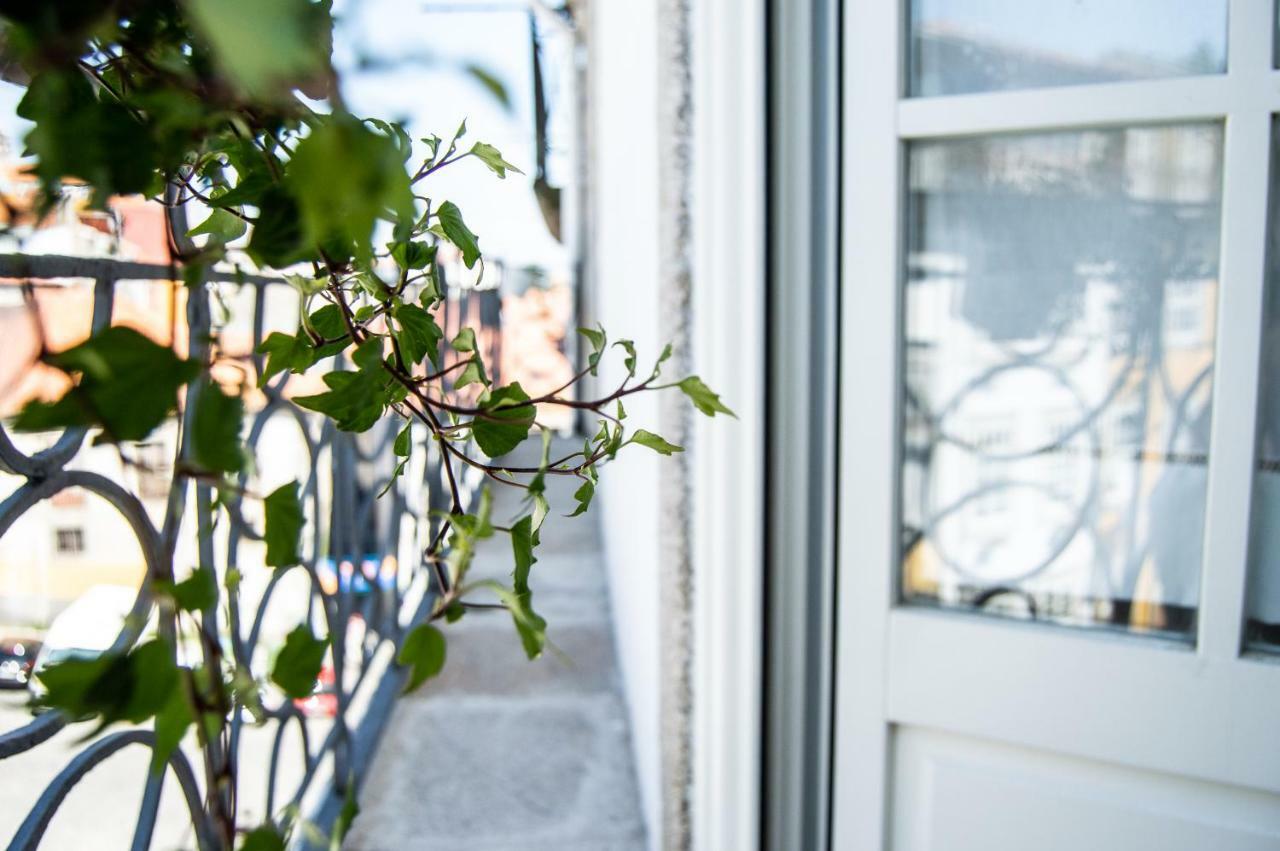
{"x":624,"y":227}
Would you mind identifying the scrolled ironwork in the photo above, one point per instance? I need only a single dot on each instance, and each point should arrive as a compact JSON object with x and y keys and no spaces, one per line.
{"x":347,"y":523}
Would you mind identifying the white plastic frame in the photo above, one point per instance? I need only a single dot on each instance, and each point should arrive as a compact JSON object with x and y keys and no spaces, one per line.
{"x":1205,"y":711}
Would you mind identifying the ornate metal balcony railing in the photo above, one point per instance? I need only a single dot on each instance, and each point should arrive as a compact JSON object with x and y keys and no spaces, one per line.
{"x":365,"y":612}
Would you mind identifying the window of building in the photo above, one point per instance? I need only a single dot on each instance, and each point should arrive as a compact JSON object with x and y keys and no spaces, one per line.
{"x":69,"y":541}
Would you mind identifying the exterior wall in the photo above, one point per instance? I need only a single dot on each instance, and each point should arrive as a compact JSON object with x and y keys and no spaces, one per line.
{"x":625,"y":299}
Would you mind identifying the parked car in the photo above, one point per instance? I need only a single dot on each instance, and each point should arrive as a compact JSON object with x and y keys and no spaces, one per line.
{"x":17,"y":659}
{"x":323,"y":701}
{"x":83,"y":630}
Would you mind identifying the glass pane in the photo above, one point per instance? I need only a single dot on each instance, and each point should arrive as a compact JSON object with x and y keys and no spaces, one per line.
{"x":959,"y":46}
{"x":1263,"y":609}
{"x":1060,"y":300}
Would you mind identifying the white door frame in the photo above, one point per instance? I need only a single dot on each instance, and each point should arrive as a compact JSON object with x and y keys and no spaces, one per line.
{"x":727,"y":456}
{"x":1207,"y":711}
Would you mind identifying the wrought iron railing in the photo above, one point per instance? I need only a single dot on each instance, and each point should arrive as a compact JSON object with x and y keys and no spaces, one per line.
{"x":365,"y":613}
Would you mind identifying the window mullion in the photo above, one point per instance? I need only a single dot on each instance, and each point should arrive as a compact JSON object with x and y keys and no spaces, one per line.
{"x":1231,"y":448}
{"x":1251,"y":26}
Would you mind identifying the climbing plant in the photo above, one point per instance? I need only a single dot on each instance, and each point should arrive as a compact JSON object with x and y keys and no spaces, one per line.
{"x":230,"y":114}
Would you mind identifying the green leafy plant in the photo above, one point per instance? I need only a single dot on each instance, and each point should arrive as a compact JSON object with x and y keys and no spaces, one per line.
{"x":231,"y":111}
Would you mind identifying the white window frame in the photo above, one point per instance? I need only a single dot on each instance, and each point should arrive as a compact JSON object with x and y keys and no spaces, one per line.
{"x":1206,"y":711}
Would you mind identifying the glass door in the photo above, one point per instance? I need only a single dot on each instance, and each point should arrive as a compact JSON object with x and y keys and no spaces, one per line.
{"x":1059,"y":611}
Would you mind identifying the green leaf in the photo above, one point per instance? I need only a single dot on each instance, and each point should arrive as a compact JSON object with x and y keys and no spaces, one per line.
{"x":703,"y":398}
{"x":596,"y":338}
{"x":298,"y":663}
{"x":472,"y":373}
{"x":530,"y":626}
{"x":154,"y":677}
{"x":373,"y":285}
{"x":327,"y":322}
{"x":346,"y":816}
{"x":459,"y":234}
{"x":128,"y":385}
{"x":430,"y":293}
{"x":266,"y":48}
{"x":263,"y":838}
{"x":402,"y":447}
{"x":598,"y":341}
{"x":522,"y":544}
{"x":114,"y":686}
{"x":630,"y":360}
{"x":395,"y":474}
{"x":395,"y":131}
{"x":504,"y":421}
{"x":197,"y":592}
{"x":285,"y":352}
{"x":614,"y":442}
{"x":221,"y":225}
{"x":477,"y":526}
{"x":537,"y":487}
{"x":171,"y":725}
{"x":412,"y":255}
{"x":284,"y":522}
{"x":491,"y":82}
{"x":306,"y":285}
{"x":583,"y":495}
{"x":278,"y":239}
{"x":255,"y":178}
{"x":345,"y":177}
{"x":465,"y":341}
{"x":420,"y":336}
{"x":77,"y":135}
{"x":492,"y":157}
{"x":467,"y":531}
{"x":356,"y":400}
{"x":654,"y":442}
{"x":215,"y":430}
{"x":68,"y":684}
{"x":424,"y":651}
{"x":662,"y":358}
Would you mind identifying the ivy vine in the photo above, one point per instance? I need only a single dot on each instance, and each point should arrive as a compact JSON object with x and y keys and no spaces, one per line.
{"x":230,"y":111}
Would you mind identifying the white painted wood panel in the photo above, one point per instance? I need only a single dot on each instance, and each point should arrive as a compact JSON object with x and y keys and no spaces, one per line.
{"x":958,"y":794}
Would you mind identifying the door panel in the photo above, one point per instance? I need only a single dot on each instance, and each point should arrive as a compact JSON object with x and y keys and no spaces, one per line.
{"x":1113,"y":699}
{"x":960,"y":794}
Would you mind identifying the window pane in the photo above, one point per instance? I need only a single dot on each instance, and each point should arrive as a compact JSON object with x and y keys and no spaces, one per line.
{"x":989,"y":45}
{"x":1263,"y":630}
{"x":1059,"y":312}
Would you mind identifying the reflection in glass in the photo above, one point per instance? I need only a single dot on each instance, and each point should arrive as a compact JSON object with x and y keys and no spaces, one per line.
{"x":1060,"y":300}
{"x":1263,"y":609}
{"x":962,"y":46}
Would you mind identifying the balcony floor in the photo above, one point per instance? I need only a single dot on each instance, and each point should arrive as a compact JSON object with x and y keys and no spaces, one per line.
{"x":499,"y":753}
